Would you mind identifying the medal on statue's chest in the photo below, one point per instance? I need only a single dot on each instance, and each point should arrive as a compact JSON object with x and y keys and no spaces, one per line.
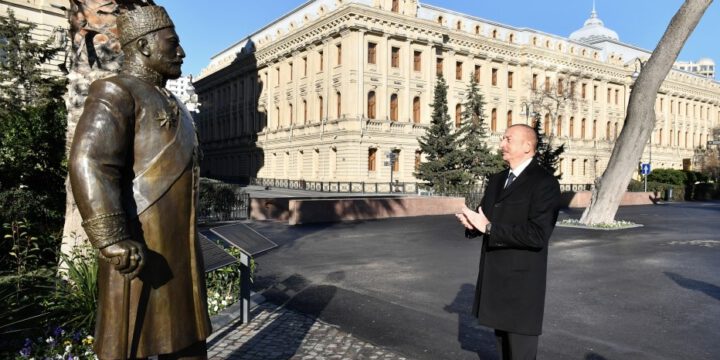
{"x":169,"y":115}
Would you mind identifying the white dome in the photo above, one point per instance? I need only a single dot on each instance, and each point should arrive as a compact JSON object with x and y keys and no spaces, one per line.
{"x":593,"y":31}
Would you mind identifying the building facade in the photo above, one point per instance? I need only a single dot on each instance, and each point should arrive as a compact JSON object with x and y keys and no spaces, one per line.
{"x":184,"y":90}
{"x":50,"y":23}
{"x":328,"y":91}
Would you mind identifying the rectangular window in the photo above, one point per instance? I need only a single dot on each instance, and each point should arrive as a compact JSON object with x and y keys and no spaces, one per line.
{"x":617,"y":92}
{"x":609,"y":94}
{"x":560,"y":86}
{"x":396,"y":163}
{"x":494,"y":77}
{"x":477,"y":73}
{"x":547,"y":84}
{"x":372,"y":53}
{"x":439,"y":66}
{"x":595,"y":92}
{"x":277,"y":76}
{"x":583,"y":90}
{"x":292,"y":68}
{"x":395,"y":57}
{"x":304,"y":61}
{"x":372,"y":156}
{"x":510,"y":80}
{"x":339,"y":53}
{"x":458,"y":70}
{"x":417,"y":61}
{"x":321,"y":60}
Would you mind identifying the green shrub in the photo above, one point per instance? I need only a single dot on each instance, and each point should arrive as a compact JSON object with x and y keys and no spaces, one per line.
{"x":667,"y":176}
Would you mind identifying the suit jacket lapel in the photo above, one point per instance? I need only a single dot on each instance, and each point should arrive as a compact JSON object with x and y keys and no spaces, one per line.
{"x":524,"y":176}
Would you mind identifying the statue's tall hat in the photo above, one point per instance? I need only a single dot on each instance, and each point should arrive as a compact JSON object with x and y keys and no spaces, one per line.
{"x":142,"y":21}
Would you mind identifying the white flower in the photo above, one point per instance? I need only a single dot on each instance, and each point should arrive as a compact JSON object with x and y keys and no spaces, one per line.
{"x":215,"y":308}
{"x":224,"y":303}
{"x":68,"y":348}
{"x":50,"y":340}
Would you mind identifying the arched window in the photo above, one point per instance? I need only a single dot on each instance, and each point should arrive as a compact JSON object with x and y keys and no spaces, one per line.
{"x":458,"y":25}
{"x":494,"y":34}
{"x":416,"y":110}
{"x":547,"y":124}
{"x":440,"y":20}
{"x":559,"y":126}
{"x":458,"y":116}
{"x":534,"y":40}
{"x":320,"y":108}
{"x":418,"y":159}
{"x":607,"y":130}
{"x":304,"y":111}
{"x":617,"y":130}
{"x":394,"y":107}
{"x":511,"y":38}
{"x":477,"y":29}
{"x":493,"y":120}
{"x":338,"y":104}
{"x":292,"y":117}
{"x":509,"y":118}
{"x":371,"y":105}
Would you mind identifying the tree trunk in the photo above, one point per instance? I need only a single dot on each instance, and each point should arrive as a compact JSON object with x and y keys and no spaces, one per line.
{"x":94,"y":53}
{"x":640,"y":119}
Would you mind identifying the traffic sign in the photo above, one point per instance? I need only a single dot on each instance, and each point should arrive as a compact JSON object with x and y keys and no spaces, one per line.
{"x":714,"y":142}
{"x":645,"y":168}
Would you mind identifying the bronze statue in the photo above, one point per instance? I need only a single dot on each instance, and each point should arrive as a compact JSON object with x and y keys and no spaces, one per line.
{"x":134,"y":173}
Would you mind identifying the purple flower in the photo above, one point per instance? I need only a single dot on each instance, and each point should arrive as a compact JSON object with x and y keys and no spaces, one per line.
{"x":77,"y":336}
{"x":58,"y":332}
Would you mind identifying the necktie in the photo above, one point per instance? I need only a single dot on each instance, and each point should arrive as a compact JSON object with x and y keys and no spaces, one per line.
{"x":510,"y":179}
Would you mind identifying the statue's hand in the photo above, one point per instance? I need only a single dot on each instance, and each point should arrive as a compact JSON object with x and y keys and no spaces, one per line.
{"x":127,"y":256}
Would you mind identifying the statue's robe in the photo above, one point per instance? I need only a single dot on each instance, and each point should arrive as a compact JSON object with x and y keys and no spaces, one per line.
{"x":132,"y":155}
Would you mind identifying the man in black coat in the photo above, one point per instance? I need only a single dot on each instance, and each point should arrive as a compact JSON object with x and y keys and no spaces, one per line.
{"x":516,"y":218}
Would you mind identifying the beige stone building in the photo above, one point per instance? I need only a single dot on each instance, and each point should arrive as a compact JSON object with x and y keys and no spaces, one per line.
{"x":325,"y":92}
{"x":50,"y":22}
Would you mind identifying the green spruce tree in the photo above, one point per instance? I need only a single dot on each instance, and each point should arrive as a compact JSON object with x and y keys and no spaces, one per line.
{"x":477,"y":159}
{"x":441,"y":172}
{"x":32,"y":128}
{"x":546,"y":155}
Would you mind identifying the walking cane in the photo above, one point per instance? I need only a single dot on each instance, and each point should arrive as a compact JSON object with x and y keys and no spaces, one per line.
{"x":125,"y":317}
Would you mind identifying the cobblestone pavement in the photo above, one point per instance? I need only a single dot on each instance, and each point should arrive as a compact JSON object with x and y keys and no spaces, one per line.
{"x":276,"y":333}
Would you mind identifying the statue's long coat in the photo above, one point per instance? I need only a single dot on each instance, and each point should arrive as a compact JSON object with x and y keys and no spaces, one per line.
{"x":131,"y":154}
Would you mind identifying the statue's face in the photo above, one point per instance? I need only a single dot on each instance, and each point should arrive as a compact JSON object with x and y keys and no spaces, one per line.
{"x":166,"y":54}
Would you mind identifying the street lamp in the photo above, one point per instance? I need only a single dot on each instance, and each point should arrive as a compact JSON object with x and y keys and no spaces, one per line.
{"x":527,"y":106}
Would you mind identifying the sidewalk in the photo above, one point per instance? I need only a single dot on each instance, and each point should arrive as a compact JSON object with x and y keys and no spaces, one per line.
{"x":276,"y":333}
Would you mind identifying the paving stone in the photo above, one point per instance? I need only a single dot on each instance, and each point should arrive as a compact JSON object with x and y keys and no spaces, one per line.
{"x":279,"y":333}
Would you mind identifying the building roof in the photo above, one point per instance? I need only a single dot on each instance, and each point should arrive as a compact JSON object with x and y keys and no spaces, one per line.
{"x":594,"y":30}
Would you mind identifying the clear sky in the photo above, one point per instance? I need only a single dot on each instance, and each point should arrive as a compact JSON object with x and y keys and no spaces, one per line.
{"x":208,"y":27}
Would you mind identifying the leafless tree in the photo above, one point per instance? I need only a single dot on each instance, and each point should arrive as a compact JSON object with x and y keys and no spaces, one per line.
{"x":640,"y":118}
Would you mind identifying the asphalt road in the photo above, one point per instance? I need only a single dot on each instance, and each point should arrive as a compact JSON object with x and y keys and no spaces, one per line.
{"x":407,"y":284}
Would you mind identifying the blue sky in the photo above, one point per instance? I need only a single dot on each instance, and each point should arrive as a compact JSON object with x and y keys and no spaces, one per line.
{"x":208,"y":27}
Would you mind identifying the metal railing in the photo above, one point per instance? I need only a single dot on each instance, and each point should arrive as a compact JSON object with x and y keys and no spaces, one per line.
{"x":222,"y":202}
{"x":339,"y":186}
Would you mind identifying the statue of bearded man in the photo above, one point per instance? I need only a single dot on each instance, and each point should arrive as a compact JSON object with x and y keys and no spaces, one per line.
{"x":134,"y":175}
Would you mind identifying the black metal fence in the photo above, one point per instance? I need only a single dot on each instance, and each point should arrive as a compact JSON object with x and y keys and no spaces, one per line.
{"x":339,"y":186}
{"x":222,"y":202}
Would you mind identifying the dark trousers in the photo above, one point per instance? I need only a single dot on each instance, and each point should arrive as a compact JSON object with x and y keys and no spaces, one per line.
{"x":512,"y":346}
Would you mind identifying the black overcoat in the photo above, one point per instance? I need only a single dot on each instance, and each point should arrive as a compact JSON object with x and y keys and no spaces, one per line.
{"x":510,"y":293}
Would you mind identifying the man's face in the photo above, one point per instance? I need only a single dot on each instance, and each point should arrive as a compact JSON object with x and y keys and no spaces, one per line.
{"x":166,"y":54}
{"x":514,"y":145}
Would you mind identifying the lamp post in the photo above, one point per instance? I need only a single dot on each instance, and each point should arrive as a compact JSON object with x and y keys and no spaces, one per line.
{"x":526,"y":106}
